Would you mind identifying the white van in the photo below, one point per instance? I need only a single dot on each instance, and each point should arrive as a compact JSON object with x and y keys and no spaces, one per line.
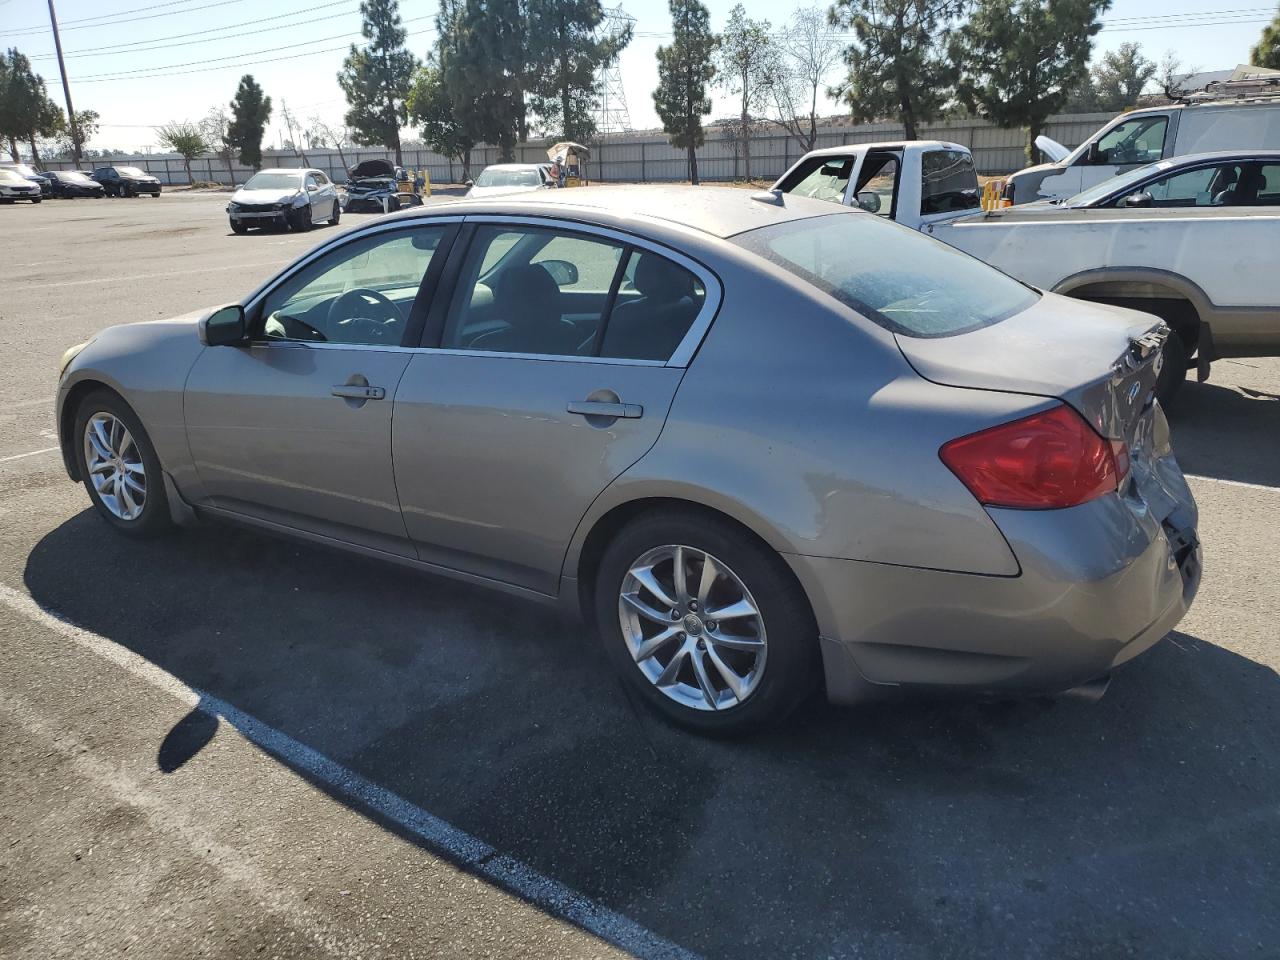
{"x":1229,"y":115}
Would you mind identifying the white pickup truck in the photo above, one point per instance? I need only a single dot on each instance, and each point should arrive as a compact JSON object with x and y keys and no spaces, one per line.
{"x":1192,"y":239}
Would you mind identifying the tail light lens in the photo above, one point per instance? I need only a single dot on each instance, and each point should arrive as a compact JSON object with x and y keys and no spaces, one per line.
{"x":1041,"y":462}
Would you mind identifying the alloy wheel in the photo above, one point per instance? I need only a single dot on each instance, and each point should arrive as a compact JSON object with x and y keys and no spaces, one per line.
{"x":114,"y":465}
{"x":692,"y":627}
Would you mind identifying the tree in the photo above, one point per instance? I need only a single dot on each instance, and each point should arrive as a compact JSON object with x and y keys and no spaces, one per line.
{"x":745,"y":61}
{"x":61,"y":145}
{"x":483,"y":61}
{"x":434,"y":111}
{"x":186,"y":139}
{"x":26,"y":112}
{"x":1266,"y":53}
{"x":376,"y":79}
{"x":323,"y":133}
{"x":1121,"y":76}
{"x":1019,"y":59}
{"x":215,"y":127}
{"x":898,"y":64}
{"x":296,"y":143}
{"x":1171,"y":76}
{"x":807,"y":52}
{"x":684,"y":70}
{"x":250,"y":111}
{"x":565,"y":56}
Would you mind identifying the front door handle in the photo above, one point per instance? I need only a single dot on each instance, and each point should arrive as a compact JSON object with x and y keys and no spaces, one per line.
{"x":354,"y":391}
{"x":602,"y":408}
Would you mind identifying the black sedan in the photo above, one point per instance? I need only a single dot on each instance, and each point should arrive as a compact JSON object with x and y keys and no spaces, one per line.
{"x":126,"y":181}
{"x":73,"y":183}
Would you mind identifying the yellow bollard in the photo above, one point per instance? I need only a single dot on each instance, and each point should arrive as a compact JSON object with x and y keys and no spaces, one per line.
{"x":426,"y":182}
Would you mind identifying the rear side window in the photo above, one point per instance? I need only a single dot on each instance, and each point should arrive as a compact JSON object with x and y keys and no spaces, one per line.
{"x":1201,"y":129}
{"x":948,"y":182}
{"x":656,"y":305}
{"x":904,"y":281}
{"x":823,"y":178}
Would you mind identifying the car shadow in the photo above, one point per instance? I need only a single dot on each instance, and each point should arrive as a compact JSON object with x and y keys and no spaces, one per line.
{"x":1145,"y":824}
{"x":1223,"y":432}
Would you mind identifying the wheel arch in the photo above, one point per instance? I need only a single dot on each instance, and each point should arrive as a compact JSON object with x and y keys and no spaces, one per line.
{"x":605,"y":520}
{"x":67,"y":419}
{"x":1145,"y":283}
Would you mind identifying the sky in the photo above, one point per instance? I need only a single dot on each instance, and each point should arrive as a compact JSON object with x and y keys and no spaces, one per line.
{"x":142,"y":63}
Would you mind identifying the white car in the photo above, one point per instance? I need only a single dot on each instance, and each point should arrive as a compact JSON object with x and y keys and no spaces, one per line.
{"x":284,"y":197}
{"x":14,"y":186}
{"x":511,"y":178}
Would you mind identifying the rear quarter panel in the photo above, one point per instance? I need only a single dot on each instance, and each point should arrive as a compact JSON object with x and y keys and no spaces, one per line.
{"x":804,"y":422}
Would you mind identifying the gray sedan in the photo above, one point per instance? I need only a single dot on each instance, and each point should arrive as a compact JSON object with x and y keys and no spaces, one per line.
{"x":761,"y":443}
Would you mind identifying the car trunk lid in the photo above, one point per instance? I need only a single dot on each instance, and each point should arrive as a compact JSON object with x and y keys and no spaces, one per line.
{"x":1102,"y":361}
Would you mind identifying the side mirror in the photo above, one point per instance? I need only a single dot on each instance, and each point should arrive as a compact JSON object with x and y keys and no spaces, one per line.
{"x":869,"y":201}
{"x":468,"y":183}
{"x":222,"y":326}
{"x":563,"y":272}
{"x":1095,"y":153}
{"x":1138,"y":200}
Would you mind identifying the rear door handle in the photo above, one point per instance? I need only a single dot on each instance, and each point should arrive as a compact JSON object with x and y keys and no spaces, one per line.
{"x":601,"y":408}
{"x":357,"y":392}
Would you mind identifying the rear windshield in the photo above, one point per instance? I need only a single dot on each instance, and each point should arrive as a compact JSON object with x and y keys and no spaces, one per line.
{"x":509,"y":178}
{"x":911,"y":284}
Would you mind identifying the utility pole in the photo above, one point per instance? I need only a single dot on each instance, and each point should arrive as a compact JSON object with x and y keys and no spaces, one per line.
{"x":66,"y":88}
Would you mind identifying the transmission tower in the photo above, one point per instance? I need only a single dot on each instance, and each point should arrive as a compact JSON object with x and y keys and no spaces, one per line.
{"x":612,"y":115}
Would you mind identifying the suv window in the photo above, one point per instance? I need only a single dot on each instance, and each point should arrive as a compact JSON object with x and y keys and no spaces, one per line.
{"x":361,"y":293}
{"x":823,"y":178}
{"x":896,"y":277}
{"x":1140,"y":140}
{"x":949,"y":182}
{"x":544,"y":292}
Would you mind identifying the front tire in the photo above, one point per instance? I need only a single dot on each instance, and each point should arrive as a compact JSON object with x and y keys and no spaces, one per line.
{"x":301,"y":220}
{"x":705,"y":623}
{"x":119,"y":466}
{"x":337,"y":214}
{"x":239,"y":227}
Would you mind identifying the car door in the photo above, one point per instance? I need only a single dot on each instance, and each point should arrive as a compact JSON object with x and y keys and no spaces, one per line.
{"x":538,"y":387}
{"x":294,"y":426}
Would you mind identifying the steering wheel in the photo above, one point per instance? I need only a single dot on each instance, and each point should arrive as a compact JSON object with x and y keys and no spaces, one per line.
{"x":350,"y":312}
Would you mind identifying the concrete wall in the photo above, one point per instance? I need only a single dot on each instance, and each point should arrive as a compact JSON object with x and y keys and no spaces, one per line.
{"x":646,"y":157}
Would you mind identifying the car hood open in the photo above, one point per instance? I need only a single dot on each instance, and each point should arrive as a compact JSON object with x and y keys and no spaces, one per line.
{"x":367,"y":169}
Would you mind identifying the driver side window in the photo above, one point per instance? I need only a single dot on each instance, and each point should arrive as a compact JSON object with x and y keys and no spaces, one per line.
{"x":1140,"y":140}
{"x":360,"y":293}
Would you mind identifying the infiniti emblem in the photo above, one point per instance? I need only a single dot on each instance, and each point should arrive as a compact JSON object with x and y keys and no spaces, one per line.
{"x":692,"y":624}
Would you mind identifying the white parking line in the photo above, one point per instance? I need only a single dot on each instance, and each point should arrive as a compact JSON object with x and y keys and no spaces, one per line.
{"x":459,"y":846}
{"x":1233,"y":483}
{"x":29,"y":453}
{"x":145,"y":276}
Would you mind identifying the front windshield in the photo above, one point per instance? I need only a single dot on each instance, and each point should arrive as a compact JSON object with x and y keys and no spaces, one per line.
{"x":1087,"y":198}
{"x":132,"y":172}
{"x":23,"y":170}
{"x":904,"y":281}
{"x":274,"y":181}
{"x":509,"y":178}
{"x":72,"y":177}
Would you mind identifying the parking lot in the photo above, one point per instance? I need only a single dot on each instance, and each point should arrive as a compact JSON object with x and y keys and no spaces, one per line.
{"x":228,"y":745}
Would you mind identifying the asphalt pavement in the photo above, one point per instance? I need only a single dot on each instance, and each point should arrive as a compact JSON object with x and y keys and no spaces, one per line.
{"x":228,"y":745}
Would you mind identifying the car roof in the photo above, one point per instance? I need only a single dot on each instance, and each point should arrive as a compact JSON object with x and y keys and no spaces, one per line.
{"x":1210,"y":155}
{"x":286,"y":170}
{"x":716,"y":211}
{"x":517,"y":166}
{"x":846,"y":148}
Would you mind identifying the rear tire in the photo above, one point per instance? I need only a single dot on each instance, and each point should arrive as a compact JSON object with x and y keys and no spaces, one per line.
{"x":136,"y":505}
{"x":772,"y":652}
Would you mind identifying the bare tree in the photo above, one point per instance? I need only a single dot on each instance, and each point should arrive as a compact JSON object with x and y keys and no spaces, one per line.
{"x":295,"y":141}
{"x":339,"y":136}
{"x":807,"y":52}
{"x":1172,"y":75}
{"x":215,"y":126}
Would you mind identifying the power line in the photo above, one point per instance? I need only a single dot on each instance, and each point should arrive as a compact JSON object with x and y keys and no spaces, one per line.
{"x":108,"y":78}
{"x":117,"y":13}
{"x":112,"y":23}
{"x":136,"y":46}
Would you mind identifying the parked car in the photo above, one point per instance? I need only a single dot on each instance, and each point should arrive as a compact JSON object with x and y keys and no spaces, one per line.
{"x":374,"y":185}
{"x":1231,"y":115}
{"x":502,"y":178}
{"x":72,"y":183}
{"x":284,"y":197}
{"x":756,"y":445}
{"x":28,"y":172}
{"x":14,"y":186}
{"x":1206,"y":271}
{"x":126,"y":181}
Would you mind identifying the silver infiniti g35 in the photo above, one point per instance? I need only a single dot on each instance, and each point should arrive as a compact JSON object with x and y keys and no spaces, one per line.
{"x":759,"y":442}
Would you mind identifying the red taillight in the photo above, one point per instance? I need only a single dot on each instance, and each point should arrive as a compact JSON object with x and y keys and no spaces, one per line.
{"x":1047,"y":460}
